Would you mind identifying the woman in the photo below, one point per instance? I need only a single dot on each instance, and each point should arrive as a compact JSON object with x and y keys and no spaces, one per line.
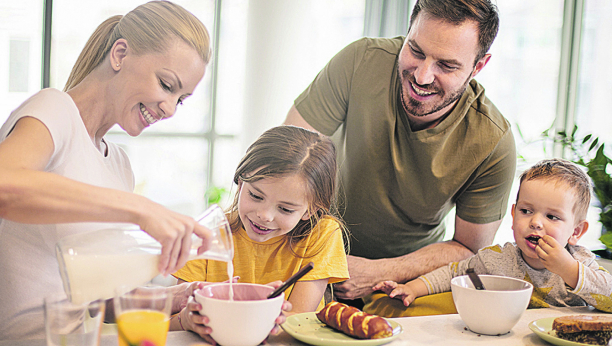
{"x":59,"y":176}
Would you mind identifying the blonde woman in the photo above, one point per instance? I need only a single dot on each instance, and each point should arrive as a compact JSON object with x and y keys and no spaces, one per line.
{"x":60,"y":176}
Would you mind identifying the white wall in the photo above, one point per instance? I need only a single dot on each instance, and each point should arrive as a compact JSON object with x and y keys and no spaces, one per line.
{"x":288,"y":42}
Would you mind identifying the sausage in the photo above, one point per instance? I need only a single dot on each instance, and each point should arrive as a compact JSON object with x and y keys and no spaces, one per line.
{"x":354,"y":322}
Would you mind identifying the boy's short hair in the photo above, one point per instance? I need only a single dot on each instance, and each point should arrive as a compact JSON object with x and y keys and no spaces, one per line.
{"x":560,"y":170}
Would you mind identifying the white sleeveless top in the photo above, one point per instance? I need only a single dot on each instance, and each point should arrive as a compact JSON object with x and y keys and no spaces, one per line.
{"x":28,"y":266}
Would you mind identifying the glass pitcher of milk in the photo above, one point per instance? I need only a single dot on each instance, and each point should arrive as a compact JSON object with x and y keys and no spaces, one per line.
{"x":93,"y":264}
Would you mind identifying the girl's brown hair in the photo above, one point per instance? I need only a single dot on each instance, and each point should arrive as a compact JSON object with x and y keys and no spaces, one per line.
{"x":148,"y":28}
{"x":290,"y":150}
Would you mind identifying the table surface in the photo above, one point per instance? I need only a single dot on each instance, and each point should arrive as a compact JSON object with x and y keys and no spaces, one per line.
{"x":424,"y":330}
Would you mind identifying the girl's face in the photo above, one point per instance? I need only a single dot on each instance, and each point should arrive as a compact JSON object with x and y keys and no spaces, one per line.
{"x":272,"y":207}
{"x":544,"y":208}
{"x":149,"y":87}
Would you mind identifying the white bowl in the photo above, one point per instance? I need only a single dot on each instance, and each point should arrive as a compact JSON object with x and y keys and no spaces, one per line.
{"x":245,"y":321}
{"x":496,"y":309}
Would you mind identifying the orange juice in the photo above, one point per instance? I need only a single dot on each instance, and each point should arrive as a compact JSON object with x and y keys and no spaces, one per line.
{"x":136,"y":326}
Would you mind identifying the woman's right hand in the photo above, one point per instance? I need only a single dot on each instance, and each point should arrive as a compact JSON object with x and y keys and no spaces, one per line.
{"x":173,"y":231}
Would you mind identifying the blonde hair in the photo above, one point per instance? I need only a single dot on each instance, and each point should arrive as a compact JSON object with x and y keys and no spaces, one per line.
{"x":148,"y":28}
{"x":563,"y":171}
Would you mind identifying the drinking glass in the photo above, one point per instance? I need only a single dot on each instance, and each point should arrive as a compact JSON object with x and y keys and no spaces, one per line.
{"x":143,"y":315}
{"x":69,"y":324}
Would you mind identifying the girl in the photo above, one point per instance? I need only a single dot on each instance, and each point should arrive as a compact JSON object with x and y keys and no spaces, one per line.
{"x":282,"y":218}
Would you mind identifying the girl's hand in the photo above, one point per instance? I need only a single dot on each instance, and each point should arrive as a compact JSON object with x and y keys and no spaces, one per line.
{"x":556,"y":259}
{"x":192,"y":320}
{"x":181,"y":294}
{"x":285,"y":308}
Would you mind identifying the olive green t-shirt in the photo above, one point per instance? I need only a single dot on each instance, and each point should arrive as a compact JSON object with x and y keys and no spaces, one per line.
{"x":396,"y":185}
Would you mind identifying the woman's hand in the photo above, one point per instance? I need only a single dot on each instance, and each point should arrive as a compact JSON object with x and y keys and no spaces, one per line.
{"x":173,"y":231}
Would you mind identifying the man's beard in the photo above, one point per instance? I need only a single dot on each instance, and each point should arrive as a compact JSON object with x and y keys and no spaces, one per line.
{"x":417,"y":108}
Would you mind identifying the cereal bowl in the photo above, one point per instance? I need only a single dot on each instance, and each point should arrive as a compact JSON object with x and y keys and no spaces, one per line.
{"x":496,"y":309}
{"x":244,"y":321}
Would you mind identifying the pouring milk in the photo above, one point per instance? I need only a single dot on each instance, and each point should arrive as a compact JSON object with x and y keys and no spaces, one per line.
{"x":93,"y":264}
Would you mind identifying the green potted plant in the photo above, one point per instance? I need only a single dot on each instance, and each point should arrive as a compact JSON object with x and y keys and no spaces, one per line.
{"x":589,"y":152}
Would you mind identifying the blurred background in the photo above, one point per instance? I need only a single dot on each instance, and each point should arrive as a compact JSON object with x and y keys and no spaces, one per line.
{"x":550,"y":70}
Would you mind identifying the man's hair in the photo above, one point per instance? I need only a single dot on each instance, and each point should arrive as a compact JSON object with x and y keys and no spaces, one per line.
{"x":483,"y":12}
{"x":563,"y":171}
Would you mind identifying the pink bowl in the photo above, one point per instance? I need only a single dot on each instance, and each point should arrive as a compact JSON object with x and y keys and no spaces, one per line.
{"x":245,"y":321}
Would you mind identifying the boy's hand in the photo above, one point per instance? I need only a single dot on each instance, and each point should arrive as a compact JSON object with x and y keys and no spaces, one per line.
{"x":398,"y":291}
{"x":557,"y":259}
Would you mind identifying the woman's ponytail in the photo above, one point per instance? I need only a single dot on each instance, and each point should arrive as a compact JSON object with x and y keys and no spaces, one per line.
{"x":94,"y":52}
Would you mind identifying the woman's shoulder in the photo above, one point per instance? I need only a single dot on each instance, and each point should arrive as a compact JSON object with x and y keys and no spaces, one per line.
{"x":47,"y":101}
{"x":51,"y":95}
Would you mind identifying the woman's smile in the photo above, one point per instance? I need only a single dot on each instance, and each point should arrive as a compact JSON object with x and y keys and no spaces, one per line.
{"x":148,"y":116}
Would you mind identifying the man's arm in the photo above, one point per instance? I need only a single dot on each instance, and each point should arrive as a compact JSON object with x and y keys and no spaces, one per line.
{"x":365,"y":273}
{"x":295,"y":118}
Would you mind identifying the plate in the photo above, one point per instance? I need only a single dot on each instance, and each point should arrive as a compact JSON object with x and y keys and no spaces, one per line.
{"x":307,"y":328}
{"x":543,"y":328}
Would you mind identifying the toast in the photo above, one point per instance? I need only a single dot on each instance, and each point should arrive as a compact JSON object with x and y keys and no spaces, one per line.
{"x":588,"y":329}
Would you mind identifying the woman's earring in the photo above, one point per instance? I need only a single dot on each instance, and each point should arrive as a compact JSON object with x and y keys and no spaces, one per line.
{"x":117,"y":65}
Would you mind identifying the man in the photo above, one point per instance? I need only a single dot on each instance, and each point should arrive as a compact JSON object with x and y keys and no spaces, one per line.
{"x":417,"y":137}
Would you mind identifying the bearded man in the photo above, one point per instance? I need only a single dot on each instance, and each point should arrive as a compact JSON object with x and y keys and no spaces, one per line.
{"x":416,"y":137}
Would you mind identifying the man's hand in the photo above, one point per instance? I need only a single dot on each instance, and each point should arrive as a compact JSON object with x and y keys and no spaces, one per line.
{"x":364,"y":273}
{"x":555,"y":258}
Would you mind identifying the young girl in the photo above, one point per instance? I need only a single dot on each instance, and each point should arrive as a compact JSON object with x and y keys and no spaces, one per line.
{"x":282,"y":218}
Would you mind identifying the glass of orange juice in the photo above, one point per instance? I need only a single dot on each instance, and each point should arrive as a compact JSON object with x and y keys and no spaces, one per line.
{"x":143,"y":315}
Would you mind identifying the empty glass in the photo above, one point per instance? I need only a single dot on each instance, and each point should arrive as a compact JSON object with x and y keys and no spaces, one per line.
{"x":69,"y":324}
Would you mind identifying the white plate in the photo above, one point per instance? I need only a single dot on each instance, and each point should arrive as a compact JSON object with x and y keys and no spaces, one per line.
{"x":307,"y":328}
{"x":543,"y":328}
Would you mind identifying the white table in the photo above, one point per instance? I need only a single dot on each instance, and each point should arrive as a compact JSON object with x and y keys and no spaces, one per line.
{"x":426,"y":330}
{"x":450,"y":330}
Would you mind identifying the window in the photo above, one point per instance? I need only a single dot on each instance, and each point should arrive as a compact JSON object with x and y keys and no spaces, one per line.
{"x":594,"y":104}
{"x":20,"y":52}
{"x":267,"y":52}
{"x":177,"y":160}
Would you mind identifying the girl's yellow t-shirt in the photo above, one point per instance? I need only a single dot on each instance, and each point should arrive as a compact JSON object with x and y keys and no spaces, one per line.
{"x":264,"y":262}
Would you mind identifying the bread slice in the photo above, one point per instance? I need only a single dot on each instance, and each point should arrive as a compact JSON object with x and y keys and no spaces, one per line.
{"x":579,"y":323}
{"x":589,"y":329}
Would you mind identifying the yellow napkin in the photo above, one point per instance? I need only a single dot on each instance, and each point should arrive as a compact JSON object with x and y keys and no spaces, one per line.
{"x":380,"y":304}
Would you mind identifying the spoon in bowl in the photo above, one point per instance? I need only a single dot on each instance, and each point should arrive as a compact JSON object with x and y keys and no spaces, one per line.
{"x":475,"y":279}
{"x":295,"y":277}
